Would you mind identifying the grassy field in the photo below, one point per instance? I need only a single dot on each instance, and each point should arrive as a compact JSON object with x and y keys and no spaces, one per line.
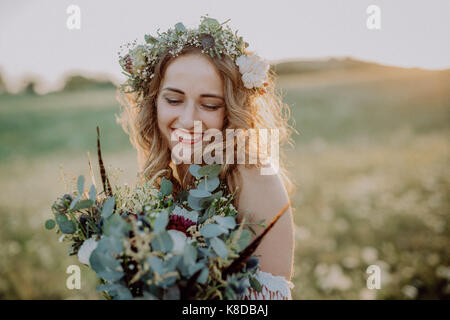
{"x":370,"y":165}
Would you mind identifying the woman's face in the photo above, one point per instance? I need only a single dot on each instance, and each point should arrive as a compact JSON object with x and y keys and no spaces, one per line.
{"x":191,"y":90}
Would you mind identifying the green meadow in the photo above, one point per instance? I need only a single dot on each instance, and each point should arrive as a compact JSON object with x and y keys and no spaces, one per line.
{"x":370,"y":165}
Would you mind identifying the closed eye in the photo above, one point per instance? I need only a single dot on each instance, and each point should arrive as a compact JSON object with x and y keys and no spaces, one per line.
{"x":206,"y":106}
{"x":172,"y":101}
{"x":211,"y":107}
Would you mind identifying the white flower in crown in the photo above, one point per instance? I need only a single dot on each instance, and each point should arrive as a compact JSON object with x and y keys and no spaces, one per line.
{"x":253,"y":69}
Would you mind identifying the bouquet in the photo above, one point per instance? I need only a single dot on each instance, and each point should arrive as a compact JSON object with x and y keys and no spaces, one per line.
{"x":149,"y":243}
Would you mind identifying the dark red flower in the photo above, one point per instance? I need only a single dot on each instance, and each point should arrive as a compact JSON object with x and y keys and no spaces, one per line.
{"x":207,"y":41}
{"x":179,"y":223}
{"x":128,"y":63}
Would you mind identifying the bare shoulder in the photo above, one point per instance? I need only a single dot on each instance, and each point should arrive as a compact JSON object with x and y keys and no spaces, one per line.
{"x":262,"y":197}
{"x":261,"y":191}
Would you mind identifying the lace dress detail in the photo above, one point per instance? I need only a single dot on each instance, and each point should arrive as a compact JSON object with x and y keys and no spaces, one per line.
{"x":273,"y":288}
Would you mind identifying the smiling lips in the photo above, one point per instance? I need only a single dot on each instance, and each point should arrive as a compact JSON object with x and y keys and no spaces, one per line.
{"x":186,"y":137}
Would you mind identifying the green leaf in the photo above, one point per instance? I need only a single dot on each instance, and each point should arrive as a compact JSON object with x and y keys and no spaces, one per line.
{"x":191,"y":215}
{"x":208,"y":214}
{"x":123,"y":293}
{"x":226,"y":222}
{"x":111,"y":244}
{"x":211,"y":230}
{"x":162,"y":242}
{"x":156,"y":264}
{"x":210,"y":170}
{"x":219,"y":247}
{"x":108,"y":207}
{"x":180,"y":27}
{"x":171,"y":264}
{"x":116,"y":290}
{"x":194,"y":203}
{"x":161,"y":221}
{"x":255,"y":283}
{"x":80,"y":184}
{"x":107,"y":287}
{"x":64,"y":224}
{"x":111,"y":275}
{"x":116,"y":226}
{"x":252,"y":230}
{"x":166,"y":187}
{"x":193,"y":169}
{"x":217,"y":195}
{"x":182,"y":196}
{"x":190,"y":254}
{"x":208,"y":184}
{"x":83,"y":204}
{"x":212,"y":23}
{"x":244,"y":240}
{"x":193,"y":268}
{"x":50,"y":224}
{"x":74,"y":201}
{"x":149,"y":39}
{"x":205,"y":252}
{"x":106,"y":266}
{"x":103,"y":260}
{"x":92,"y":193}
{"x":199,"y":193}
{"x":203,"y":277}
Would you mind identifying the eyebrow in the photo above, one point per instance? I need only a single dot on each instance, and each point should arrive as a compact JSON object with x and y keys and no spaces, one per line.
{"x":205,"y":95}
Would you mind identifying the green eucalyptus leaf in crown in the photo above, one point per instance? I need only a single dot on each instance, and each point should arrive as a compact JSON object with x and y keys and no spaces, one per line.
{"x":215,"y":39}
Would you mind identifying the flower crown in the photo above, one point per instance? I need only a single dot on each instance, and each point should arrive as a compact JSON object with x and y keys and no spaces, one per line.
{"x":215,"y":39}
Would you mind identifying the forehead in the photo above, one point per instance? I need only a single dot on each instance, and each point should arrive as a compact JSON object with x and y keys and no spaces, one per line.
{"x":193,"y":73}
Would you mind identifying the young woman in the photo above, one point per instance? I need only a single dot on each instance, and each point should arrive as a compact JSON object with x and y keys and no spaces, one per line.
{"x":206,"y":76}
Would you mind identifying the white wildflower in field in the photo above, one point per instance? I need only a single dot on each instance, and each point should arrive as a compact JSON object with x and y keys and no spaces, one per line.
{"x":335,"y":279}
{"x":410,"y":291}
{"x":369,"y":254}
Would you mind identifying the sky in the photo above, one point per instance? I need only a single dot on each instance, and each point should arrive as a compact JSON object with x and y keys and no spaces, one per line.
{"x":36,"y":42}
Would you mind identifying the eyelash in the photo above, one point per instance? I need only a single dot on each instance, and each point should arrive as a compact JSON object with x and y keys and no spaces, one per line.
{"x":175,"y":102}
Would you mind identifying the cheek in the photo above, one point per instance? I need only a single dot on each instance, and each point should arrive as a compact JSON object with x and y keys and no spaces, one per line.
{"x":215,"y":120}
{"x":164,"y":117}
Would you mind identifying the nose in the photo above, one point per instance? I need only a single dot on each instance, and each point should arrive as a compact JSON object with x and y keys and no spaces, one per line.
{"x":187,"y":117}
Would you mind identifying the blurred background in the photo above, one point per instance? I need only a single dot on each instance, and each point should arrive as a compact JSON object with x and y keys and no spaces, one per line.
{"x":370,"y":162}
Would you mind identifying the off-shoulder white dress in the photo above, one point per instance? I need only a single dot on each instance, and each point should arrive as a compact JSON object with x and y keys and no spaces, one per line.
{"x":273,"y":288}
